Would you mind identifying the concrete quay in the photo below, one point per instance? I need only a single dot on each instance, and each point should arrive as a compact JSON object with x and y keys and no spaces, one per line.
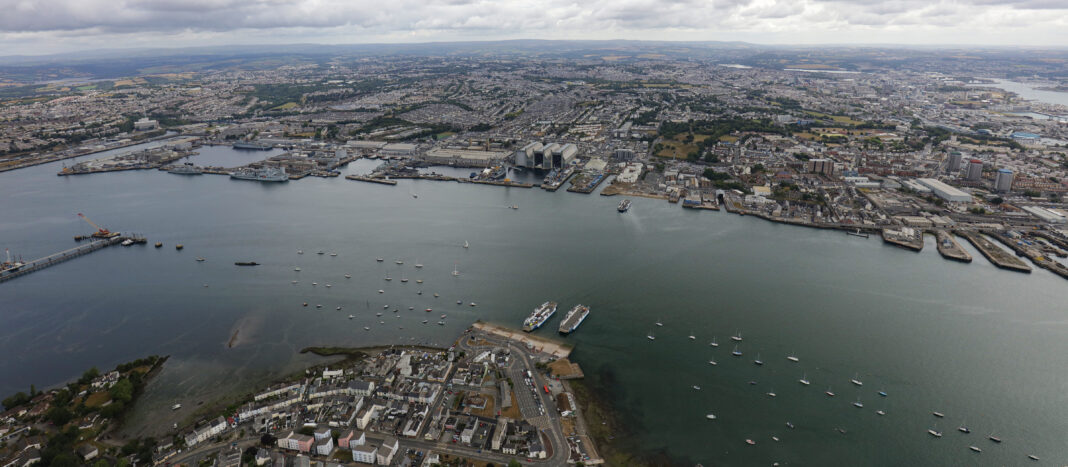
{"x":995,"y":254}
{"x":950,"y":249}
{"x":1036,"y":255}
{"x":914,"y":243}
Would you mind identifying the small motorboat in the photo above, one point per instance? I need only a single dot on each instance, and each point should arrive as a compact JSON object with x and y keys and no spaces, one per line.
{"x":711,"y":416}
{"x":935,"y":433}
{"x":938,"y":414}
{"x":880,"y":412}
{"x":176,"y":406}
{"x":318,"y":306}
{"x":379,"y":260}
{"x":381,"y":291}
{"x":351,"y":316}
{"x":750,"y":442}
{"x":200,"y":260}
{"x":305,"y":303}
{"x":348,"y":276}
{"x":296,"y":269}
{"x":333,"y":254}
{"x":975,"y":449}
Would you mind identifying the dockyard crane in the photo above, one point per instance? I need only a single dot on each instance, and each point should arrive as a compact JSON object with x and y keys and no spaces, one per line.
{"x":100,"y":231}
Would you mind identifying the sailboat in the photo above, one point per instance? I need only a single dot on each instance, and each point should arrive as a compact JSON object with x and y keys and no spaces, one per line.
{"x":858,"y":404}
{"x":793,"y":358}
{"x":934,"y":432}
{"x":993,"y":438}
{"x":712,"y":362}
{"x":418,"y":264}
{"x":804,"y":379}
{"x":758,"y":361}
{"x":466,"y":245}
{"x":713,"y":343}
{"x":737,"y":337}
{"x":658,"y":323}
{"x":829,"y":392}
{"x":963,"y":428}
{"x":455,"y":270}
{"x":650,"y":336}
{"x":856,"y":380}
{"x":736,"y":352}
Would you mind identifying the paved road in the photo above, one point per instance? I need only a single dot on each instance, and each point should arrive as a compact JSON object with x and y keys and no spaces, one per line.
{"x":519,"y":363}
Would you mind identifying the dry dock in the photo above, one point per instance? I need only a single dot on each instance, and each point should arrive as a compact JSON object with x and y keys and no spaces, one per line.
{"x":950,"y":249}
{"x":995,"y":254}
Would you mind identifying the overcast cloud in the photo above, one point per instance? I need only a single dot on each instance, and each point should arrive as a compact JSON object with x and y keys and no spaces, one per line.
{"x":44,"y":26}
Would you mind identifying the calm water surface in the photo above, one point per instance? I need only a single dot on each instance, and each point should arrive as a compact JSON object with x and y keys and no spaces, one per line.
{"x":984,"y":346}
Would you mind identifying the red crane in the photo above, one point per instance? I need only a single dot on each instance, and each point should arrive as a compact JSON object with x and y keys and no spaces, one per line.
{"x":100,"y":231}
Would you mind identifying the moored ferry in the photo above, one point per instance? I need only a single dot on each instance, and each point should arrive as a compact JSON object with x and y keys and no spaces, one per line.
{"x":540,"y":315}
{"x":574,"y":318}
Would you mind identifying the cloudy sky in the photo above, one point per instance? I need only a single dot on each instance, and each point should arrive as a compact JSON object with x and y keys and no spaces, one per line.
{"x":49,"y":26}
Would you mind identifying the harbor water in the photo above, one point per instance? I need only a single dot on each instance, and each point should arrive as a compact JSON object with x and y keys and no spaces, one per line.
{"x":984,"y":346}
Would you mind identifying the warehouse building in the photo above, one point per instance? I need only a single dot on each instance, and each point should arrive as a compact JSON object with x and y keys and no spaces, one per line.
{"x":944,"y":191}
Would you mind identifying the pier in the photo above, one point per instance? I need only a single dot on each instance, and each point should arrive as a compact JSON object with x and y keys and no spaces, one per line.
{"x":56,"y":258}
{"x":995,"y":254}
{"x":949,"y":248}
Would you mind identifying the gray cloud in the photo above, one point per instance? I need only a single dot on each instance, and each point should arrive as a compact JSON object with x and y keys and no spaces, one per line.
{"x":39,"y":21}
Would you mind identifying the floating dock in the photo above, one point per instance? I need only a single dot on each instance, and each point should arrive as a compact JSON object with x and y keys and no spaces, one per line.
{"x":382,"y":181}
{"x":950,"y":249}
{"x":995,"y":254}
{"x":56,"y":258}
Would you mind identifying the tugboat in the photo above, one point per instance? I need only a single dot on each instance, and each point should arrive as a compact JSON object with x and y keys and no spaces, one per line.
{"x":623,"y":206}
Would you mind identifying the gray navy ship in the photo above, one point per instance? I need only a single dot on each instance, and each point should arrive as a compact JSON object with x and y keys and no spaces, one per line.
{"x":186,"y":169}
{"x":264,"y":174}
